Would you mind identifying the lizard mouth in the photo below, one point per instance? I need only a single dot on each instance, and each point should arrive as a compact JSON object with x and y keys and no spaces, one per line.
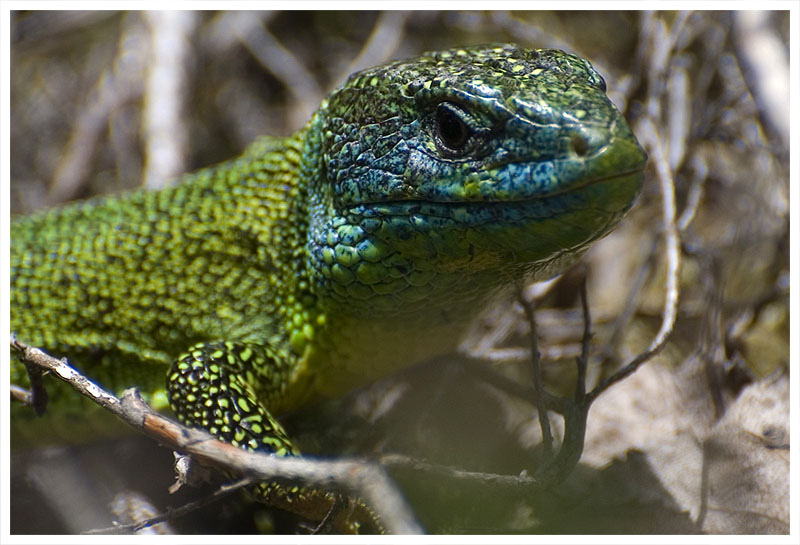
{"x":480,"y":234}
{"x":621,"y":187}
{"x":611,"y":178}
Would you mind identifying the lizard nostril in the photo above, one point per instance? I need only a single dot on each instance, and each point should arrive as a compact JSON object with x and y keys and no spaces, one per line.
{"x":579,"y":145}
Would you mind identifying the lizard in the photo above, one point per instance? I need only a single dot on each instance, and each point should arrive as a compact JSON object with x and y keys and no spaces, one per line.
{"x":365,"y":242}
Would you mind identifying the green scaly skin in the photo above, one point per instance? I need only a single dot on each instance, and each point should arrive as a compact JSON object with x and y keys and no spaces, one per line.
{"x":313,"y":264}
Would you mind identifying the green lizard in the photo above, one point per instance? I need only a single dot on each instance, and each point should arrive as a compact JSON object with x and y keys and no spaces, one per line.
{"x":316,"y":263}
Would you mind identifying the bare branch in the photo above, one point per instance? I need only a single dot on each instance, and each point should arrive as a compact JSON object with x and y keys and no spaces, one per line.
{"x":114,"y":88}
{"x":766,"y":69}
{"x":575,"y":412}
{"x":538,"y":381}
{"x":356,"y":477}
{"x":21,"y":395}
{"x":165,"y":95}
{"x":135,"y":527}
{"x":485,"y":479}
{"x":582,"y":361}
{"x":696,"y":192}
{"x":386,"y":36}
{"x":672,"y":244}
{"x":250,"y":29}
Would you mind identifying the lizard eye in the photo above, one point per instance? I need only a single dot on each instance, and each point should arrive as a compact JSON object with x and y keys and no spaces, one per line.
{"x":452,"y":132}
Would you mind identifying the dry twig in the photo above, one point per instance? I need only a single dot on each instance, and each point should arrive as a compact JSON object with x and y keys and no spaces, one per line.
{"x":357,"y":477}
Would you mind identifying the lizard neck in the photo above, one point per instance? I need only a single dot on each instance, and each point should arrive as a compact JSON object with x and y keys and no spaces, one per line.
{"x":373,"y":298}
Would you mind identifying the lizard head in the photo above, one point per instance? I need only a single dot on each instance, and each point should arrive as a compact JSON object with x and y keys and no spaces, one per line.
{"x":478,"y":159}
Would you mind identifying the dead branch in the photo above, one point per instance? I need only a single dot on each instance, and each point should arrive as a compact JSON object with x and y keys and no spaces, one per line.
{"x":357,"y":477}
{"x":166,"y":92}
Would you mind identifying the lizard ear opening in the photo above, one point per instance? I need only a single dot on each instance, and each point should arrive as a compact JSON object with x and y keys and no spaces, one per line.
{"x":579,"y":145}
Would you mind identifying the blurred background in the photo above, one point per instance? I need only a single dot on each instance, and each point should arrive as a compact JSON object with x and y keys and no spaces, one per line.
{"x":696,"y":441}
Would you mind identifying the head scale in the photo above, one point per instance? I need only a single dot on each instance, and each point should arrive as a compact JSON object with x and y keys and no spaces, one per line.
{"x":468,"y":160}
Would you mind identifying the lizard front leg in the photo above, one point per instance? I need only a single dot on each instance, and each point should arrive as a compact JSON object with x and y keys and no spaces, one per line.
{"x":208,"y":388}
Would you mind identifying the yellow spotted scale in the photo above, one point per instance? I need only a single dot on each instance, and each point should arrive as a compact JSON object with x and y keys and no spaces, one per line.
{"x":313,"y":264}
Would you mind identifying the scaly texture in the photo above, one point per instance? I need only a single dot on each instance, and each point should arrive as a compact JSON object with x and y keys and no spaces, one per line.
{"x":313,"y":264}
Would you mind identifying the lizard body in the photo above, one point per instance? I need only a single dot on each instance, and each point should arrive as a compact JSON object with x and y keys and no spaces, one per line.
{"x":312,"y":264}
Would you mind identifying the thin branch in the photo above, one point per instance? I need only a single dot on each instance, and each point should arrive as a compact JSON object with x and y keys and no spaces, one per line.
{"x":576,"y":413}
{"x":21,"y":395}
{"x":538,"y":381}
{"x":250,"y":29}
{"x":32,"y":356}
{"x":582,"y":361}
{"x":113,"y":89}
{"x":482,"y":478}
{"x":383,"y":41}
{"x":766,"y":69}
{"x":166,"y":94}
{"x":172,"y":514}
{"x":38,"y":395}
{"x":521,"y":354}
{"x":679,"y":114}
{"x":364,"y":480}
{"x":519,"y":390}
{"x":696,"y":192}
{"x":672,"y":243}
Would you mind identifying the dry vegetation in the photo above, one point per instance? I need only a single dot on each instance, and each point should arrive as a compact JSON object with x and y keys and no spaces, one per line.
{"x":695,"y":441}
